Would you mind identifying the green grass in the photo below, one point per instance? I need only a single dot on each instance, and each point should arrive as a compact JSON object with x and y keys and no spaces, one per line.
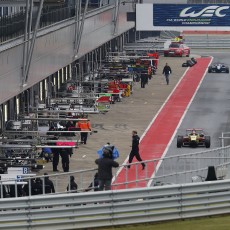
{"x":208,"y":223}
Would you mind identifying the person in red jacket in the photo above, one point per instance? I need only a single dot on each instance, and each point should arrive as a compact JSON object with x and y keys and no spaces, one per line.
{"x":84,"y":125}
{"x":156,"y":56}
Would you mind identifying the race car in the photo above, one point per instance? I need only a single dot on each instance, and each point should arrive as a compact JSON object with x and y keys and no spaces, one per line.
{"x":193,"y":138}
{"x":218,"y":68}
{"x":177,"y":49}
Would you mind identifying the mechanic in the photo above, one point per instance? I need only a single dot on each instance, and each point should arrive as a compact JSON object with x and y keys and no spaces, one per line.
{"x":135,"y":150}
{"x":84,"y":125}
{"x":167,"y":71}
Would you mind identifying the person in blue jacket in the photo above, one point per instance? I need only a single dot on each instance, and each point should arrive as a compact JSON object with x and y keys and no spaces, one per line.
{"x":105,"y":166}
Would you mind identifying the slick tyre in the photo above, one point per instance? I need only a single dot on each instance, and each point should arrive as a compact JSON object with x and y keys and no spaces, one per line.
{"x":179,"y":141}
{"x":207,"y":141}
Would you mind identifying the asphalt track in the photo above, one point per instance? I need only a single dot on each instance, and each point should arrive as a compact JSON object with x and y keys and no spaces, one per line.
{"x":210,"y":110}
{"x":158,"y":136}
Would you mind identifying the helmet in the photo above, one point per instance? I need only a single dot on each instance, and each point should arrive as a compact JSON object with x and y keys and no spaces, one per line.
{"x":107,"y":152}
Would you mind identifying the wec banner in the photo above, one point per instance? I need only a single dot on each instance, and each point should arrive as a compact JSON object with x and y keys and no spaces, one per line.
{"x":191,"y":15}
{"x":180,"y":17}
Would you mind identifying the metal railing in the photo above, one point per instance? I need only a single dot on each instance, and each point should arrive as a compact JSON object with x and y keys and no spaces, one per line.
{"x":113,"y":208}
{"x":13,"y":26}
{"x":181,"y":168}
{"x":169,"y":170}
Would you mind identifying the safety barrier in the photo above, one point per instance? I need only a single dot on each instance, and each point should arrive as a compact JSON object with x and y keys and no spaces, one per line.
{"x":112,"y":208}
{"x":170,"y":170}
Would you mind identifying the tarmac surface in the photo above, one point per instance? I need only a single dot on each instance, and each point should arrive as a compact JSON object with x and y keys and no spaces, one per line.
{"x":132,"y":113}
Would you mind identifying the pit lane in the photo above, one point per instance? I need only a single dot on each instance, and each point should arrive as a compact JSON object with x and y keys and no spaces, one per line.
{"x":209,"y":110}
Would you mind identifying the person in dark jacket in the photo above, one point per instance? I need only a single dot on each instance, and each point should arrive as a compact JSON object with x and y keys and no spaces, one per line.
{"x":13,"y":192}
{"x":3,"y":191}
{"x":65,"y":154}
{"x":72,"y":187}
{"x":94,"y":184}
{"x":105,"y":166}
{"x":49,"y":185}
{"x":144,"y":79}
{"x":135,"y":149}
{"x":56,"y":154}
{"x":55,"y":159}
{"x":167,"y":71}
{"x":36,"y":188}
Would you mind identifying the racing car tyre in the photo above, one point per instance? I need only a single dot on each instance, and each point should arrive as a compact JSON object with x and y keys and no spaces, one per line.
{"x":188,"y":54}
{"x":227,"y":70}
{"x":207,"y":141}
{"x":179,"y":141}
{"x":209,"y":69}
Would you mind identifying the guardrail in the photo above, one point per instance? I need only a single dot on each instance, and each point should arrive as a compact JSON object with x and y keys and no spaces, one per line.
{"x":208,"y":42}
{"x":12,"y":26}
{"x":113,"y":208}
{"x":181,"y":168}
{"x":172,"y":170}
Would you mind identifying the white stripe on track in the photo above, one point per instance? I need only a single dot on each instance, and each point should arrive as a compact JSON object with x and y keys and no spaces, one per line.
{"x":182,"y":118}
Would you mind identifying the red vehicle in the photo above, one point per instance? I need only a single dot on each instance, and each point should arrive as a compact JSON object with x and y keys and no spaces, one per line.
{"x":177,"y":49}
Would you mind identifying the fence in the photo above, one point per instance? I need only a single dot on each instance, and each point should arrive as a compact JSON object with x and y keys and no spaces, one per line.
{"x":13,"y":26}
{"x":113,"y":208}
{"x":172,"y":170}
{"x":181,"y":168}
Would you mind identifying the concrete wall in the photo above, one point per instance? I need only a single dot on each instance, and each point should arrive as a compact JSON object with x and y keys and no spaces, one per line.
{"x":54,"y":49}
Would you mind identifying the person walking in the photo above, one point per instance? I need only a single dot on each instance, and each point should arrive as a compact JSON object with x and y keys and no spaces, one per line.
{"x":144,"y":79}
{"x":135,"y":149}
{"x":167,"y":71}
{"x":105,"y":166}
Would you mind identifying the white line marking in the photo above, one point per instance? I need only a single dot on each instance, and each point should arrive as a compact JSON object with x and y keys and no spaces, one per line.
{"x":150,"y":124}
{"x":182,"y":118}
